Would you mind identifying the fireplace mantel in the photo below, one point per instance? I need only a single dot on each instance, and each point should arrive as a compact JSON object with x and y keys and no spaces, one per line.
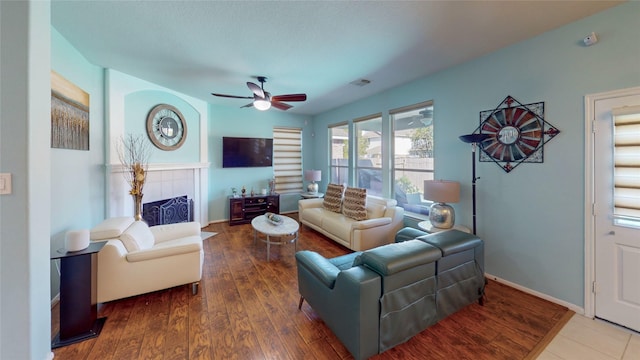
{"x":118,"y":168}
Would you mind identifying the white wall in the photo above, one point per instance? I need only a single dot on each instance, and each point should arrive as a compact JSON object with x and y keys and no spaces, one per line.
{"x":25,"y":316}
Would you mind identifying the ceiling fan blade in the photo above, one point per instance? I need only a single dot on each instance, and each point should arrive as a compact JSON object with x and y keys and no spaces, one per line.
{"x":232,"y":96}
{"x":280,"y":105}
{"x":290,"y":97}
{"x":256,"y":89}
{"x":248,"y":105}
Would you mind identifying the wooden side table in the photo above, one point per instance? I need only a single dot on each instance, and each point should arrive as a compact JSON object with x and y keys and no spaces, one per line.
{"x":426,"y":226}
{"x":78,"y":307}
{"x":243,"y":209}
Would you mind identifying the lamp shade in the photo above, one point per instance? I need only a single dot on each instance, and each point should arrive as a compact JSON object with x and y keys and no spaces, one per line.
{"x":312,"y":175}
{"x":442,"y":191}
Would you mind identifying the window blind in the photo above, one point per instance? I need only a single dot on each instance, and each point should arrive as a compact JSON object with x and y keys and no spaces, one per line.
{"x":287,"y":159}
{"x":626,"y":192}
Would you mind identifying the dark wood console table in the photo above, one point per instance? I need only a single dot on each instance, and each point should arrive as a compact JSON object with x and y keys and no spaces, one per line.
{"x":78,"y":306}
{"x":243,"y":209}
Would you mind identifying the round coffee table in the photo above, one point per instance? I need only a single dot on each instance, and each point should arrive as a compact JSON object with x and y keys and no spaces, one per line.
{"x":287,"y":232}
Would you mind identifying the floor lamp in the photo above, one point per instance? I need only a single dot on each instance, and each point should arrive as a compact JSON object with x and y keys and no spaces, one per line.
{"x":475,"y":140}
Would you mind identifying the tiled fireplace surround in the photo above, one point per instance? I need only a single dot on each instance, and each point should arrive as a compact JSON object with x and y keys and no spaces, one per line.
{"x":164,"y":181}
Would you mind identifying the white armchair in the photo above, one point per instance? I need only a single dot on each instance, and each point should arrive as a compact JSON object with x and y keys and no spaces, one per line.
{"x":138,"y":259}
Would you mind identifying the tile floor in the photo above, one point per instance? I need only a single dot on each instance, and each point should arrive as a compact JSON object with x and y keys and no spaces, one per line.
{"x":585,"y":339}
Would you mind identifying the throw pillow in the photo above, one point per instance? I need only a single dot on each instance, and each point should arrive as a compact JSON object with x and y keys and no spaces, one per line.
{"x":137,"y":237}
{"x":333,"y":198}
{"x":354,"y":203}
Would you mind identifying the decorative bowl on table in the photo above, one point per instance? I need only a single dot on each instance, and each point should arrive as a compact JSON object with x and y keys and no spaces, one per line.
{"x":273,"y":219}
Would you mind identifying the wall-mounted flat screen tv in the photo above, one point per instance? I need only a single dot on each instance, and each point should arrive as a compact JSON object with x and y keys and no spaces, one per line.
{"x":246,"y":152}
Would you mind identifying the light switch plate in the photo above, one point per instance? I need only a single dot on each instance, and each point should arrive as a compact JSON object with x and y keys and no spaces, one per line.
{"x":5,"y":183}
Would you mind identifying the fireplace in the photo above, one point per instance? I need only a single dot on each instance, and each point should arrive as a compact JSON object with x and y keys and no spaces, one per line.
{"x":164,"y":182}
{"x":168,"y":211}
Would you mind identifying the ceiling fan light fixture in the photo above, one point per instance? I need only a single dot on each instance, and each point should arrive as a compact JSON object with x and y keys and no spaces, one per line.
{"x":262,"y":100}
{"x":262,"y":104}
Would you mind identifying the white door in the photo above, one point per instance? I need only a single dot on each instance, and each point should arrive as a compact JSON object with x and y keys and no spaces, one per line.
{"x":617,"y":248}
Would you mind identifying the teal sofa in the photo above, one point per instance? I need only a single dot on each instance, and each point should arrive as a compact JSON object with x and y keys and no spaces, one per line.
{"x":379,"y":298}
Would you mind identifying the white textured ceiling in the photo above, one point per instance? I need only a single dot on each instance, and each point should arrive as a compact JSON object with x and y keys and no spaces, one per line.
{"x":314,"y":47}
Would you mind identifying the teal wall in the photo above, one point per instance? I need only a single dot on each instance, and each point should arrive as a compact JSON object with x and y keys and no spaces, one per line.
{"x":533,"y":239}
{"x":77,"y":177}
{"x":222,"y":121}
{"x":234,"y":121}
{"x":532,"y":219}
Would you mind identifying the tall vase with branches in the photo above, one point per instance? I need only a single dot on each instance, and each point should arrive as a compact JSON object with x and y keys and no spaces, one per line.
{"x":134,"y":152}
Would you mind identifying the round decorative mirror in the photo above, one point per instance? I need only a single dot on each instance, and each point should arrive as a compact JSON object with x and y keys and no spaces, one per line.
{"x":166,"y":127}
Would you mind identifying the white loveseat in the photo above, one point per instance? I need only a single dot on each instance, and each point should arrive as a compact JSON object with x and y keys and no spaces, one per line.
{"x":384,"y":220}
{"x":138,"y":259}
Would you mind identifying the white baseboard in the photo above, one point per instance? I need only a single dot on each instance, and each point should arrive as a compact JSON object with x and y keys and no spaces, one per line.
{"x":217,"y":221}
{"x":55,"y":301}
{"x":575,"y":308}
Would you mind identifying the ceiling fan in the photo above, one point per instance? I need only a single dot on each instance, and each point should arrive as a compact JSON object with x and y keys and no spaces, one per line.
{"x":262,"y":100}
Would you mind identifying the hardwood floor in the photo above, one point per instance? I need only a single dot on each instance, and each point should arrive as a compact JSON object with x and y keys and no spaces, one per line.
{"x":246,"y":308}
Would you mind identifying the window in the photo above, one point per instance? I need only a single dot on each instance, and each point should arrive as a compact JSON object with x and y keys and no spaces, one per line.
{"x":368,"y":140}
{"x":626,"y":191}
{"x":287,"y":159}
{"x":412,"y":154}
{"x":339,"y":135}
{"x":391,"y":156}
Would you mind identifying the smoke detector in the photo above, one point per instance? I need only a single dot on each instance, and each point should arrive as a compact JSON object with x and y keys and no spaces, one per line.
{"x":590,"y":39}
